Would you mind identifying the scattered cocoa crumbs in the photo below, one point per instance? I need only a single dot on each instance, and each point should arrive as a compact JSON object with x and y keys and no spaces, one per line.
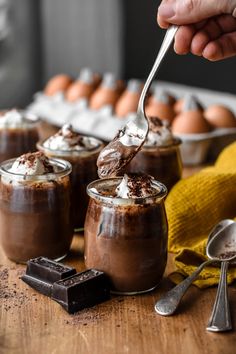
{"x":10,"y":296}
{"x":4,"y":274}
{"x":87,"y":316}
{"x":20,"y":272}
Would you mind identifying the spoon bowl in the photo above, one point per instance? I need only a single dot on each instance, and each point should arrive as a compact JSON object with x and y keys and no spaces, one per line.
{"x":222,"y":248}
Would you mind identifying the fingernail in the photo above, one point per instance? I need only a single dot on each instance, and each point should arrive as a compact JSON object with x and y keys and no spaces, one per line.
{"x":166,"y":11}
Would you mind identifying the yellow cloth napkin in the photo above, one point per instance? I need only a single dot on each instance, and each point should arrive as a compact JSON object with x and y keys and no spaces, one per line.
{"x":194,"y":206}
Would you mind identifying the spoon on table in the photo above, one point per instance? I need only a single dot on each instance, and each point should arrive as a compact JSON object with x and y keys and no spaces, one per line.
{"x":131,"y":137}
{"x":168,"y":304}
{"x":225,"y":252}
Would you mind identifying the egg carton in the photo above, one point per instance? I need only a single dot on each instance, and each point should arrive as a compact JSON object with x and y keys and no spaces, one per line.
{"x":199,"y":148}
{"x":103,"y":124}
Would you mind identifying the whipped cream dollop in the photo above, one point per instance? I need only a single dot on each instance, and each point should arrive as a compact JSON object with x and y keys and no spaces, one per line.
{"x":159,"y":133}
{"x":32,"y":164}
{"x":135,"y":186}
{"x":15,"y":118}
{"x":68,"y":140}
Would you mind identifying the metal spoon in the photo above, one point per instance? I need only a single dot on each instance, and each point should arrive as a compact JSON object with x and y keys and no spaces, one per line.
{"x":131,"y":137}
{"x":168,"y":304}
{"x":223,"y":251}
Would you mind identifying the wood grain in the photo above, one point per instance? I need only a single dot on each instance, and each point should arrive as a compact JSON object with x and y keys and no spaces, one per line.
{"x":32,"y":323}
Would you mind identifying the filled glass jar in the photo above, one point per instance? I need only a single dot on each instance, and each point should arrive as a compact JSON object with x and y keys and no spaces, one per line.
{"x":35,"y":212}
{"x":18,"y":133}
{"x":126,"y":237}
{"x":164,"y":163}
{"x":84,"y":170}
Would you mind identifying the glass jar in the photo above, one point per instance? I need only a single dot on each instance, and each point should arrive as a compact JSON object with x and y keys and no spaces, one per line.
{"x":162,"y":162}
{"x":35,"y":213}
{"x":126,"y":238}
{"x":84,"y":171}
{"x":16,"y":141}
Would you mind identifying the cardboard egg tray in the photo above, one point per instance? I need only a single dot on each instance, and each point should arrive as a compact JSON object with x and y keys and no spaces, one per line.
{"x":103,"y":124}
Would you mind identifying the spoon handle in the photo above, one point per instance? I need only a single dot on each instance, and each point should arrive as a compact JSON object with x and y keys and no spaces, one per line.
{"x":169,"y":36}
{"x":220,"y":318}
{"x":167,"y":305}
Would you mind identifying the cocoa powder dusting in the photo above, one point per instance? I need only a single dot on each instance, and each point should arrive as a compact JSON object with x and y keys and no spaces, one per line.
{"x":10,"y":295}
{"x":88,"y":316}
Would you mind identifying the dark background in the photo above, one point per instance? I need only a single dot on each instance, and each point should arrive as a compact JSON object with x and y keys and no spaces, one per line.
{"x":47,"y":37}
{"x":142,"y":41}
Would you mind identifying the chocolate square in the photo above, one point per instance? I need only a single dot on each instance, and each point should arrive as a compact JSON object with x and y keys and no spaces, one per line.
{"x":81,"y":290}
{"x":42,"y":272}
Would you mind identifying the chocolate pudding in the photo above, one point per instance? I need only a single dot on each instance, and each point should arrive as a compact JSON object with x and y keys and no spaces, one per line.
{"x":35,"y":207}
{"x":18,"y":134}
{"x":160,"y":155}
{"x":126,"y":232}
{"x":120,"y":151}
{"x":82,"y":153}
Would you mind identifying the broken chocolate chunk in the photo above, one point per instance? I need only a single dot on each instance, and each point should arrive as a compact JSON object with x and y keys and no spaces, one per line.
{"x":81,"y":290}
{"x":42,"y":272}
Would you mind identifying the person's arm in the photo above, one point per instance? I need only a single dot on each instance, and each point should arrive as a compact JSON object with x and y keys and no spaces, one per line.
{"x":207,"y":27}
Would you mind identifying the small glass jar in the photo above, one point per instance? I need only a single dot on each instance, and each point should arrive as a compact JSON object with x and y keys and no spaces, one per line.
{"x":35,"y":213}
{"x":162,"y":162}
{"x":126,"y":238}
{"x":19,"y":140}
{"x":84,"y":171}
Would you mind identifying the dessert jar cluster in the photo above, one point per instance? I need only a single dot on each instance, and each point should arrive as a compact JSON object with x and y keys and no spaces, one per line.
{"x":126,"y":237}
{"x":18,"y":133}
{"x":35,"y":207}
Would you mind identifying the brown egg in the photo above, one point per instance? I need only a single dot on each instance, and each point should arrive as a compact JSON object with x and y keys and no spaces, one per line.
{"x":83,"y":87}
{"x":128,"y":101}
{"x":160,"y":110}
{"x":172,"y":99}
{"x":180,"y":104}
{"x":106,"y":94}
{"x":220,"y":116}
{"x":190,"y":122}
{"x":57,"y":83}
{"x":97,"y":79}
{"x":121,"y":86}
{"x":103,"y":97}
{"x":159,"y":106}
{"x":77,"y":90}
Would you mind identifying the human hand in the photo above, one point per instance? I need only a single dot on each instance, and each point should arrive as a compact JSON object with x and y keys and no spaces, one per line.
{"x":207,"y":27}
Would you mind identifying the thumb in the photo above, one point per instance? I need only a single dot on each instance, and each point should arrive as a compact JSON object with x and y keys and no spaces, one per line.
{"x":183,"y":12}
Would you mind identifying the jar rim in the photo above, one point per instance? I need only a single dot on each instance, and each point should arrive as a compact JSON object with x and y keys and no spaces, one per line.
{"x":177,"y":141}
{"x":64,"y":168}
{"x":99,"y":144}
{"x":161,"y":192}
{"x":30,"y":119}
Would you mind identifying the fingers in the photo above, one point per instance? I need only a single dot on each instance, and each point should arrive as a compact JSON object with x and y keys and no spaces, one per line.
{"x":182,"y":12}
{"x":212,"y":30}
{"x":224,"y":47}
{"x":194,"y":38}
{"x":184,"y":37}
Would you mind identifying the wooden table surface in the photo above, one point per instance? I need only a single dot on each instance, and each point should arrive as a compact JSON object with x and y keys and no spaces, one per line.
{"x":32,"y":323}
